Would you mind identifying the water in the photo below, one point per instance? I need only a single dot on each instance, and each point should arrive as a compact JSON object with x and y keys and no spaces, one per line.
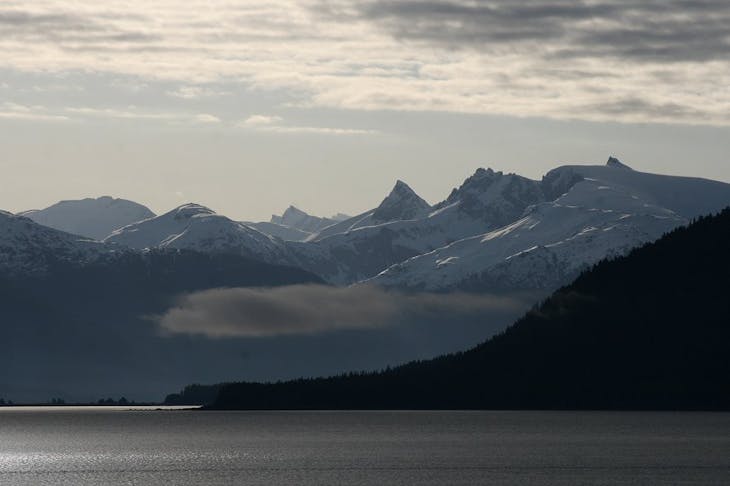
{"x":79,"y":446}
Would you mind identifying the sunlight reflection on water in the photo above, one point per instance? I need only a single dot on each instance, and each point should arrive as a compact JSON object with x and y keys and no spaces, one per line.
{"x":66,"y":446}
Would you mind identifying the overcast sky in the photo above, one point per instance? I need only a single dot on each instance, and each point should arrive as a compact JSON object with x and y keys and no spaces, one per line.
{"x":248,"y":106}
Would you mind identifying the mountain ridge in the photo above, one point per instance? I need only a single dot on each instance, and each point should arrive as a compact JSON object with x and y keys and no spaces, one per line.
{"x":196,"y":227}
{"x":599,"y":211}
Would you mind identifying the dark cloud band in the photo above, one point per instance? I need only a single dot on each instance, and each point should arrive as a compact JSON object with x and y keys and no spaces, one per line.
{"x":665,"y":31}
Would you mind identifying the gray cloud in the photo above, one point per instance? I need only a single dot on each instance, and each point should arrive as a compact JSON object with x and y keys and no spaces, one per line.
{"x":308,"y":309}
{"x":667,"y":30}
{"x":67,"y":29}
{"x":534,"y":58}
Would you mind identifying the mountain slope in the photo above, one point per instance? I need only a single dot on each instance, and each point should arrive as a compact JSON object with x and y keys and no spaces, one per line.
{"x":286,"y":233}
{"x":93,"y":218}
{"x":29,"y":248}
{"x":689,"y":197}
{"x":195,"y":227}
{"x":645,"y":331}
{"x":604,"y":211}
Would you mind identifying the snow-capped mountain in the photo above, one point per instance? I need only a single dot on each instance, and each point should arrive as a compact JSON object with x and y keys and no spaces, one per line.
{"x":493,"y":197}
{"x":496,"y":231}
{"x":364,"y":245}
{"x":195,"y":227}
{"x":91,"y":217}
{"x":602,"y":211}
{"x":28,"y":248}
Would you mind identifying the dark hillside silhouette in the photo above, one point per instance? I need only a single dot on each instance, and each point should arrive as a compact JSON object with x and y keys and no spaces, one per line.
{"x":83,"y":331}
{"x":647,"y":331}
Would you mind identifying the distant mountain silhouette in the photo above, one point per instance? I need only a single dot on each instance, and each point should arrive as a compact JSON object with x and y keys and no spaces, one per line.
{"x":650,"y":330}
{"x":90,"y":217}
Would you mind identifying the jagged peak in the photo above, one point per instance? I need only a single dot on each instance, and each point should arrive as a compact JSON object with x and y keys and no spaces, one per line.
{"x":401,"y":191}
{"x":400,"y":184}
{"x":290,"y":215}
{"x":481,"y":172}
{"x":480,"y":181}
{"x":616,"y":163}
{"x":401,"y":187}
{"x":401,"y":203}
{"x":293,"y":210}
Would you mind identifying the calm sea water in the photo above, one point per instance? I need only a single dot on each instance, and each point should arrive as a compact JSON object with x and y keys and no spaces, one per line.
{"x":121,"y":446}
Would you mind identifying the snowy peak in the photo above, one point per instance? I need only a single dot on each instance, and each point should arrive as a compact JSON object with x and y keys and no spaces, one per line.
{"x":401,"y":204}
{"x":617,"y":164}
{"x":90,"y":217}
{"x":152,"y":232}
{"x":196,"y":227}
{"x":187,"y":211}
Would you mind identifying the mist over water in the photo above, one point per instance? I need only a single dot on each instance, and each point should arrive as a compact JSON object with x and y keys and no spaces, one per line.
{"x":80,"y":446}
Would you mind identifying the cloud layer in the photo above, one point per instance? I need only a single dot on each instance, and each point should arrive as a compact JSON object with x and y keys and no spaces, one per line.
{"x":650,"y":61}
{"x":308,"y":309}
{"x":651,"y":30}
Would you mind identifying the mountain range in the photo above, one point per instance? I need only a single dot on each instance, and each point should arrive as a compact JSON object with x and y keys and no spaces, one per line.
{"x":98,"y":271}
{"x":497,"y":232}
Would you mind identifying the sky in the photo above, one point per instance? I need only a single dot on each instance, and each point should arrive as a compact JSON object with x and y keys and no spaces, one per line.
{"x":249,"y":106}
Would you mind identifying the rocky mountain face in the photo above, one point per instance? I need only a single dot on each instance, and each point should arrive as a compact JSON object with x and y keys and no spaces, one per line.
{"x":494,"y":197}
